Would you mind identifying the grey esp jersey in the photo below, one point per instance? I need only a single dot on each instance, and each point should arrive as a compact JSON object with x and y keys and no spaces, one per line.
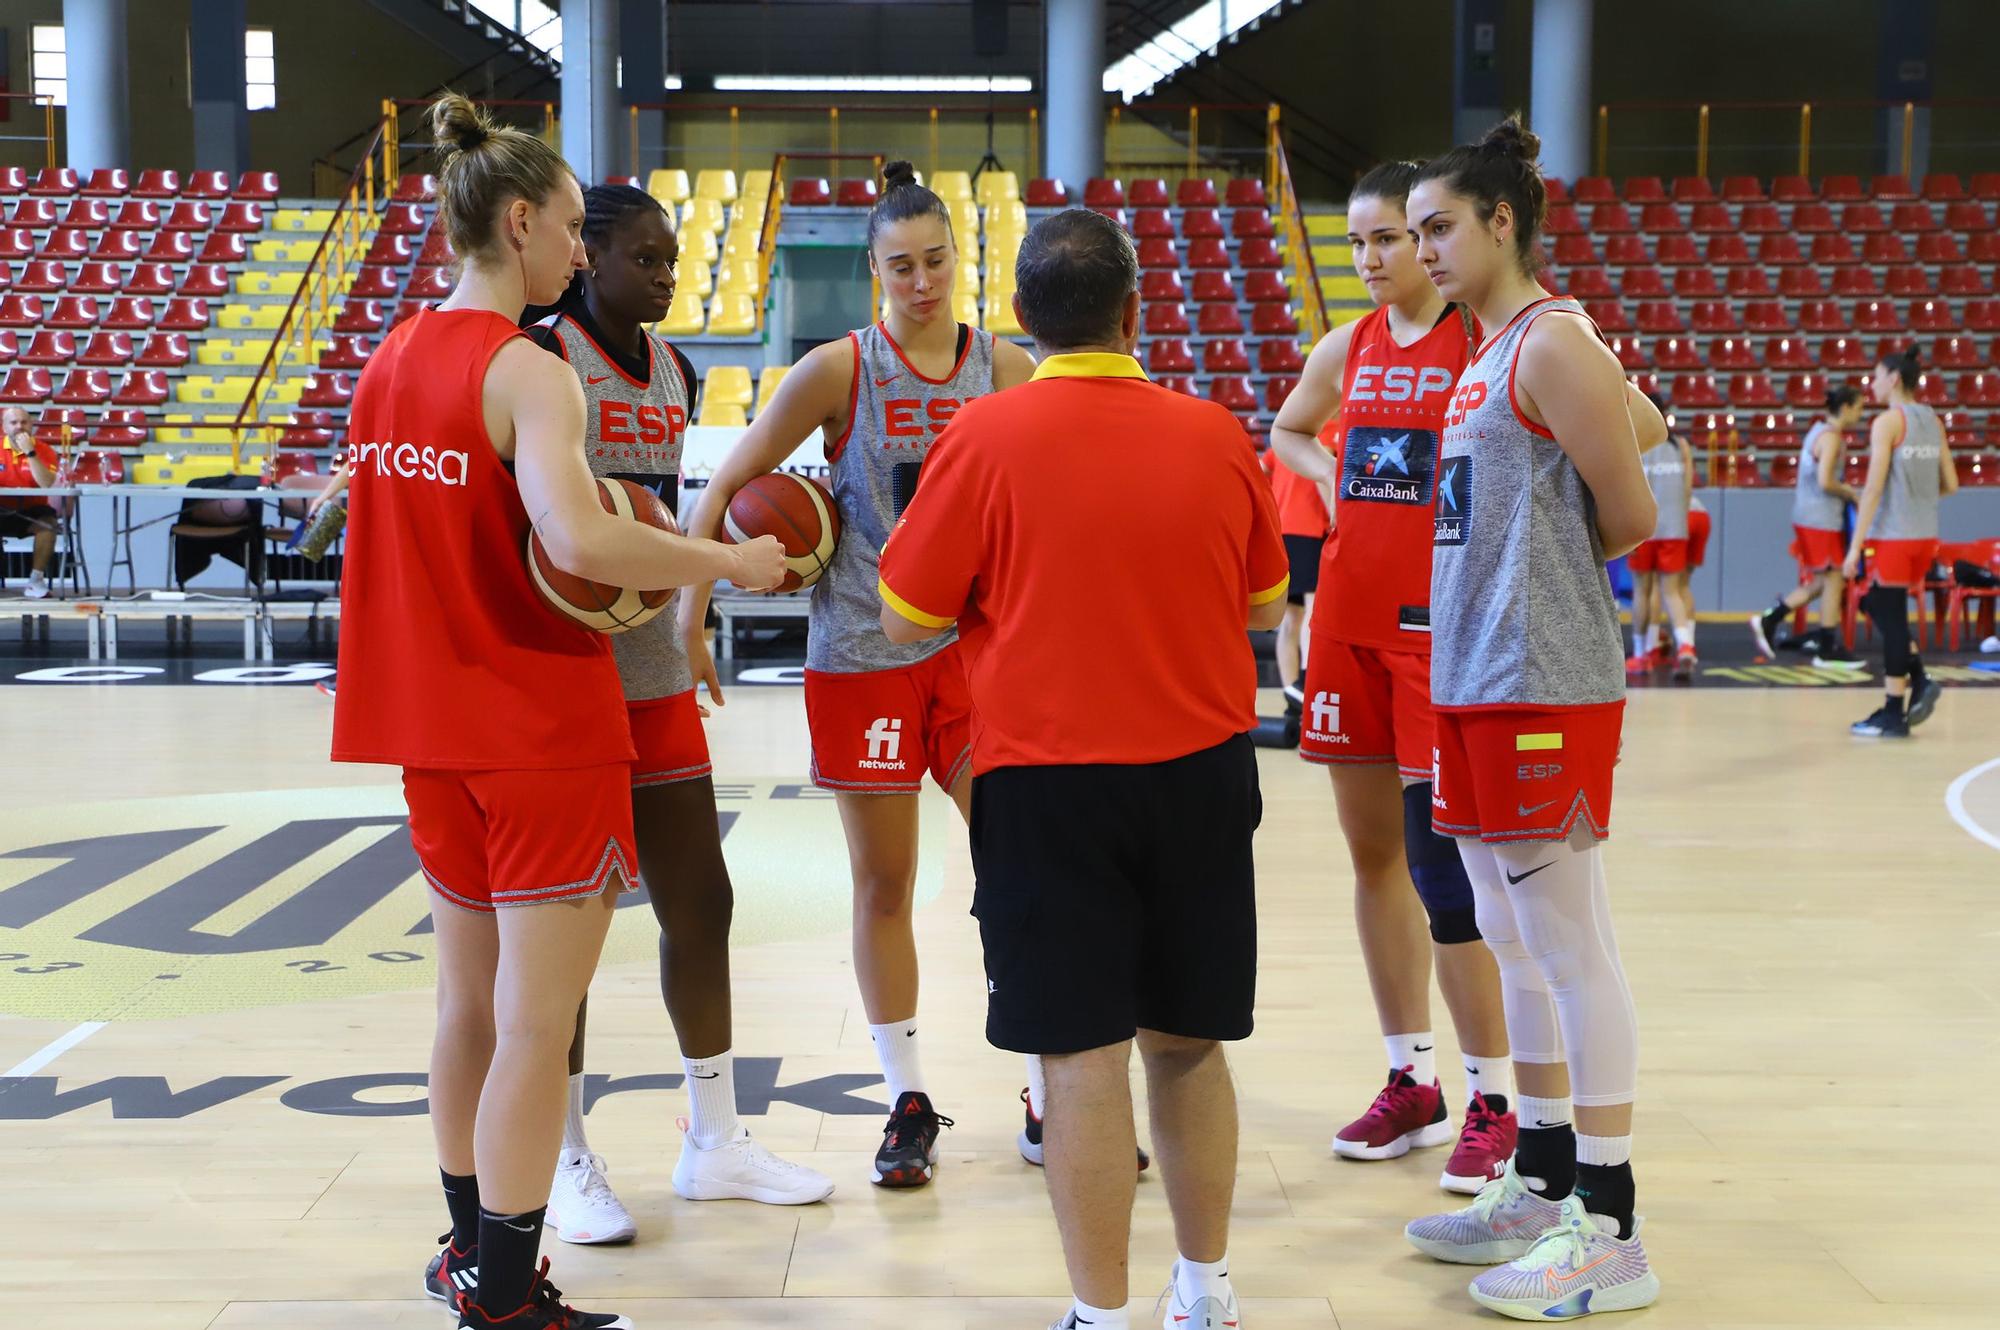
{"x":1812,"y":506}
{"x":897,"y":416}
{"x":1521,"y":609}
{"x":1909,"y":508}
{"x":1666,"y":473}
{"x":634,"y":431}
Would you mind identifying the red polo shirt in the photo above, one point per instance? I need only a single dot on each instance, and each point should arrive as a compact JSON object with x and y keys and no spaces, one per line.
{"x":1092,"y":506}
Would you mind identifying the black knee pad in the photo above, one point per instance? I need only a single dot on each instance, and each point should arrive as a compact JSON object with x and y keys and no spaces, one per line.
{"x":1437,"y":870}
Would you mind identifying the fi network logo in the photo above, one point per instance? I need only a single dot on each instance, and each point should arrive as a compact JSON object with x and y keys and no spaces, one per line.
{"x":885,"y":743}
{"x":1326,"y":716}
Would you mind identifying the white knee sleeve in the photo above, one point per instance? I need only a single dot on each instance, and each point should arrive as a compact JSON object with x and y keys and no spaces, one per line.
{"x":1564,"y":913}
{"x":1531,"y":1015}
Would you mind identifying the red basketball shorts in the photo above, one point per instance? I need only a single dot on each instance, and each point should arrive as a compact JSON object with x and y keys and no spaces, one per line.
{"x":1901,"y":562}
{"x":1525,"y":774}
{"x":1817,"y":550}
{"x":672,"y":745}
{"x":879,"y":732}
{"x":1659,"y":556}
{"x":1699,"y":525}
{"x":494,"y":838}
{"x":1367,"y":707}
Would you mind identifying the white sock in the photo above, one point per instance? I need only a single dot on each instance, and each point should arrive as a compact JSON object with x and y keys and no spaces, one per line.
{"x":1638,"y":643}
{"x":1684,"y":637}
{"x":574,"y":1141}
{"x":1605,"y":1151}
{"x":1416,"y":1051}
{"x":711,"y":1087}
{"x":896,"y":1050}
{"x":1654,"y":635}
{"x":1099,"y":1318}
{"x":1486,"y":1076}
{"x":1535,"y":1112}
{"x":1038,"y":1088}
{"x":1197,"y":1279}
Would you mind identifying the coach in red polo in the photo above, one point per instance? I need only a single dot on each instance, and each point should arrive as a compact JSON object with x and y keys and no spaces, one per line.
{"x":1112,"y":810}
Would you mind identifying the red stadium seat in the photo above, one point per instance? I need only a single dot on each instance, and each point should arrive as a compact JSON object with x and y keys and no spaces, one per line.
{"x":1891,"y":187}
{"x":1232,"y":391}
{"x":348,"y":351}
{"x":1855,"y":282}
{"x":1771,"y":429}
{"x":1963,"y":281}
{"x":1099,"y":192}
{"x":1574,"y":250}
{"x":149,"y":279}
{"x":391,"y":251}
{"x":1841,"y":188}
{"x":1645,"y":189}
{"x":184,"y":314}
{"x":1800,"y":283}
{"x":1162,"y":285}
{"x":1246,"y":223}
{"x":415,"y":187}
{"x":224,"y":247}
{"x":1643,"y":282}
{"x":1742,"y":189}
{"x":1659,"y":316}
{"x":1806,"y":391}
{"x":1833,"y":249}
{"x":1708,"y":425}
{"x":1862,"y":218}
{"x":1747,"y":283}
{"x":118,"y":245}
{"x":1967,"y":215}
{"x":98,"y":279}
{"x":1262,"y":284}
{"x":1696,"y":392}
{"x":1933,"y":316}
{"x":85,"y":387}
{"x":1225,"y":355}
{"x":1593,"y":189}
{"x":1564,"y":221}
{"x":261,"y":186}
{"x":13,"y":179}
{"x":1589,"y":283}
{"x":1939,"y":247}
{"x":166,"y":350}
{"x":1148,"y":192}
{"x":1955,"y":353}
{"x":54,"y":182}
{"x":16,"y":243}
{"x":1680,"y":251}
{"x":118,"y":428}
{"x":1979,"y":389}
{"x":107,"y":348}
{"x":1884,"y":248}
{"x":205,"y":279}
{"x":374,"y":283}
{"x":359,"y":316}
{"x":1631,"y":352}
{"x":1044,"y":192}
{"x":1166,"y":320}
{"x":142,"y":387}
{"x":1876,"y":316}
{"x":1150,"y":222}
{"x":189,"y":216}
{"x":1711,"y":219}
{"x":41,"y":275}
{"x":1789,"y":353}
{"x":1753,"y":391}
{"x":1273,"y":318}
{"x":1983,"y":247}
{"x":1197,"y":192}
{"x":1844,"y":353}
{"x":330,"y":390}
{"x":17,"y":311}
{"x":429,"y":284}
{"x":407,"y":219}
{"x":1933,"y":390}
{"x":1261,"y":253}
{"x":1781,"y":250}
{"x":206,"y":185}
{"x":1760,"y":219}
{"x":1822,"y":316}
{"x":1908,"y":280}
{"x":1608,"y":315}
{"x":1693,"y":189}
{"x":129,"y":312}
{"x":1178,"y":383}
{"x":1913,"y":218}
{"x":1813,"y":219}
{"x":1114,"y":214}
{"x":1661,"y":219}
{"x":171,"y":247}
{"x":244,"y":218}
{"x":1766,"y":316}
{"x":35,"y":214}
{"x":1623,"y":251}
{"x":1943,"y":188}
{"x":1558,"y":190}
{"x":1169,"y":355}
{"x":1245,"y":192}
{"x":1276,"y":356}
{"x":1647,"y":383}
{"x":26,"y":385}
{"x":1212,"y":286}
{"x":1279,"y":388}
{"x":309,"y":429}
{"x":87,"y":214}
{"x":436,"y":252}
{"x":157,"y":185}
{"x":1676,"y":353}
{"x":1732,"y":353}
{"x":1219,"y":320}
{"x":65,"y":244}
{"x":49,"y":348}
{"x":856,"y":194}
{"x":1158,"y":254}
{"x":1714,"y":316}
{"x":1208,"y":254}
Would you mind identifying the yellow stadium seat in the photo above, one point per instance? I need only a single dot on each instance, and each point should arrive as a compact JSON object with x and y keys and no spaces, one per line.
{"x":668,"y":186}
{"x":204,"y":464}
{"x":992,"y":186}
{"x":286,"y":392}
{"x":744,"y":275}
{"x":222,"y":351}
{"x":968,"y":275}
{"x":259,"y":282}
{"x":684,"y":316}
{"x":260,"y":317}
{"x":1007,"y":217}
{"x":952,"y":186}
{"x":1000,"y":317}
{"x":302,"y":219}
{"x":756,"y":185}
{"x":767,"y":383}
{"x":283,"y":251}
{"x":964,"y":223}
{"x":740,"y":242}
{"x":702,"y":244}
{"x":732,"y":314}
{"x":701,"y":215}
{"x":965,"y":306}
{"x":718,"y":185}
{"x":204,"y":388}
{"x":695,"y":275}
{"x":725,"y":414}
{"x":727,"y":385}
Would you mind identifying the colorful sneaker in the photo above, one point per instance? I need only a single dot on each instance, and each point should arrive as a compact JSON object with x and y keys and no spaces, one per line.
{"x":452,"y":1272}
{"x":741,"y":1170}
{"x":1403,"y":1116}
{"x":1684,"y":662}
{"x":1501,"y":1224}
{"x":1211,"y":1311}
{"x":1573,"y":1270}
{"x":1923,"y":701}
{"x":1485,"y":1144}
{"x":1029,"y":1142}
{"x":582,"y":1207}
{"x":1638,"y":667}
{"x":544,"y":1310}
{"x":909,"y":1152}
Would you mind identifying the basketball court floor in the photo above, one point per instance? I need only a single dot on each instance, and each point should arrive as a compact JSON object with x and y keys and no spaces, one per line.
{"x":216,"y":985}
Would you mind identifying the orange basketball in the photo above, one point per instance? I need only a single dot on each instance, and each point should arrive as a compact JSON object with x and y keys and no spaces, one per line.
{"x":598,"y":605}
{"x":799,"y":512}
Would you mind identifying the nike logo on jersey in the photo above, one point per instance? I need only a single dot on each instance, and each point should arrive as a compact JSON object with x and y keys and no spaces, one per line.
{"x":1529,"y":810}
{"x":883,"y":383}
{"x":595,"y":378}
{"x":1513,"y":881}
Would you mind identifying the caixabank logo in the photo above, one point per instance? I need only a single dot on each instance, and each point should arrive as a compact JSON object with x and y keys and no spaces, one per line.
{"x":160,"y":908}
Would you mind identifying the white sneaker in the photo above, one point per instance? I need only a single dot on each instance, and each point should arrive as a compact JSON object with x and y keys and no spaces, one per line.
{"x":742,"y":1170}
{"x":1502,"y":1222}
{"x":1575,"y":1269}
{"x":582,"y":1207}
{"x":37,"y":588}
{"x":1215,"y":1310}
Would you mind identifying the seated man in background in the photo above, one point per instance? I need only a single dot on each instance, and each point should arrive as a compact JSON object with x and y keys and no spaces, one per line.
{"x":26,"y":464}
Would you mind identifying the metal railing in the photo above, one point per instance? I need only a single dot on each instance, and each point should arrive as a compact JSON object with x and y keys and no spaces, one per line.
{"x":47,"y":138}
{"x":1290,"y":217}
{"x":767,"y":239}
{"x":1802,"y":114}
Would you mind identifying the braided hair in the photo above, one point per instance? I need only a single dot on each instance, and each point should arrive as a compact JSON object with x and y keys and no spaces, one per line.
{"x":605,"y":209}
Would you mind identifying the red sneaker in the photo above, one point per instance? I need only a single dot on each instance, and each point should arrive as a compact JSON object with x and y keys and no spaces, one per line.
{"x":1404,"y":1115}
{"x":1485,"y":1145}
{"x":1684,"y":662}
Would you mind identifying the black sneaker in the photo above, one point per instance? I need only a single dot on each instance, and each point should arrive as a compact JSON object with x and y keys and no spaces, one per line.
{"x":1295,"y":694}
{"x":1923,"y":701}
{"x":909,"y":1150}
{"x":1764,"y":626}
{"x":452,"y":1272}
{"x":1030,"y":1139}
{"x":1881,"y":725}
{"x":1830,"y":655}
{"x":544,"y":1310}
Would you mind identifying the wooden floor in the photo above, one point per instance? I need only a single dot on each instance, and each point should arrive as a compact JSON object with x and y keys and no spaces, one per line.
{"x":1811,"y":937}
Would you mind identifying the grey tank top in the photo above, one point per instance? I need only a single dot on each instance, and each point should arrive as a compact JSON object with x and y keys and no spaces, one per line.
{"x":1521,"y":609}
{"x":1666,"y":472}
{"x":1910,"y":500}
{"x":897,"y":416}
{"x":1812,"y":507}
{"x":634,"y":431}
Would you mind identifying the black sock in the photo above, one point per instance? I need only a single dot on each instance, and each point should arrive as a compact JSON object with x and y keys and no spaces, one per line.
{"x":1893,"y":705}
{"x":1548,"y":1153}
{"x":1606,"y":1189}
{"x":1917,"y":676}
{"x":461,"y":1196}
{"x":508,"y":1246}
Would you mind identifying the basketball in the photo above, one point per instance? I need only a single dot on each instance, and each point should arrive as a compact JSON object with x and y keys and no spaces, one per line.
{"x":608,"y":609}
{"x":798,"y":511}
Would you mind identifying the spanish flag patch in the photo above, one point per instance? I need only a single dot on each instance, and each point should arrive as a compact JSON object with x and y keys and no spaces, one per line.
{"x":1537,"y":743}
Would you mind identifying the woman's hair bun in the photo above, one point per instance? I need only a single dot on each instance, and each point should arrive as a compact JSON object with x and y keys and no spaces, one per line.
{"x":897,"y":174}
{"x":1514,"y":139}
{"x":457,"y":124}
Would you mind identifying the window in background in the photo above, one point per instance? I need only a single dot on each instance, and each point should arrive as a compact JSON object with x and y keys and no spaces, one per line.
{"x":260,"y":70}
{"x":50,"y":64}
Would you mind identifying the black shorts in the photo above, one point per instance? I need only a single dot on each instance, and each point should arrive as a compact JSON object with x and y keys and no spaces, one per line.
{"x":26,"y":521}
{"x":1113,"y":899}
{"x":1304,"y":552}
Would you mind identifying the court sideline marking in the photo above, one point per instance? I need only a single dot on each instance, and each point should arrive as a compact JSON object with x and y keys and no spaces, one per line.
{"x":35,"y":1061}
{"x":1954,"y":803}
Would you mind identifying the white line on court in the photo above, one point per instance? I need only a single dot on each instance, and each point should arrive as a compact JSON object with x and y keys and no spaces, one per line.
{"x":1954,"y":803}
{"x":49,"y":1053}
